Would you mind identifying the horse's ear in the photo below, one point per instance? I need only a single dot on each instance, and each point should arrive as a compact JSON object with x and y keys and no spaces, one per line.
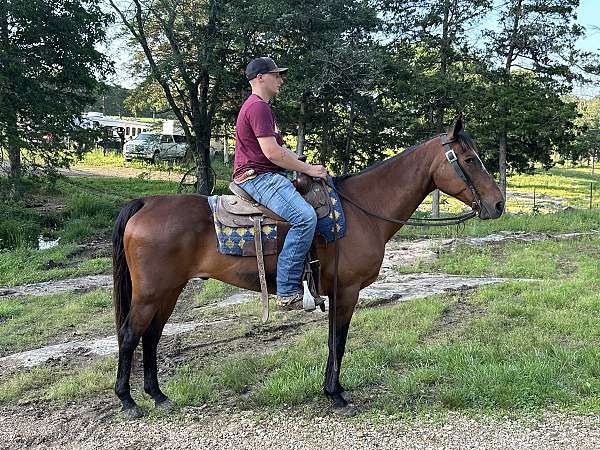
{"x":458,"y":126}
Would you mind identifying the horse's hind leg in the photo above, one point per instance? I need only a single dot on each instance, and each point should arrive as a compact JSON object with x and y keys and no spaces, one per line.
{"x":150,"y":343}
{"x":129,"y":338}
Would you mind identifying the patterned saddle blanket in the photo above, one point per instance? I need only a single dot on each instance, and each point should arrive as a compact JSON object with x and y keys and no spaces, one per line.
{"x":234,"y":216}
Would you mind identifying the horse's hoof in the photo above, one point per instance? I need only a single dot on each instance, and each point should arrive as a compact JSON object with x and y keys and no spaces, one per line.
{"x":166,"y":405}
{"x":338,"y":400}
{"x":345,"y":411}
{"x":132,"y":413}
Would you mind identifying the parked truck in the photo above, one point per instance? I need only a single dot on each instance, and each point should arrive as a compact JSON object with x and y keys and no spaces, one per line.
{"x":170,"y":144}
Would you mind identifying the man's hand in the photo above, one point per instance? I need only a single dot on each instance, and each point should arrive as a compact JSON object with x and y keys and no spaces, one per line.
{"x":316,"y":171}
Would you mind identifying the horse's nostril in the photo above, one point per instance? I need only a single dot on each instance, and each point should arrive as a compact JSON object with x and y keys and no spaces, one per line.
{"x":500,"y":206}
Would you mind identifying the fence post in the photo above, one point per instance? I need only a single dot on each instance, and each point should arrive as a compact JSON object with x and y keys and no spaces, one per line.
{"x":591,"y":194}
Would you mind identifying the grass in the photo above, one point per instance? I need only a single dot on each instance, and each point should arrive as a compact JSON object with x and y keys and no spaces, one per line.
{"x":78,"y":384}
{"x":515,"y":348}
{"x":213,"y":291}
{"x":572,"y":185}
{"x":33,"y":321}
{"x":545,"y":259}
{"x":58,"y":385}
{"x":96,"y":158}
{"x":580,"y":220}
{"x":25,"y":265}
{"x":518,"y":347}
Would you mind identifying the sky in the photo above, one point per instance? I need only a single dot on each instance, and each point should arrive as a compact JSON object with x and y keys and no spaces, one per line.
{"x":588,"y":16}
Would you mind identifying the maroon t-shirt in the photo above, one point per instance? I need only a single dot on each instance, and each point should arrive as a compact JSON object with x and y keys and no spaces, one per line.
{"x":254,"y":120}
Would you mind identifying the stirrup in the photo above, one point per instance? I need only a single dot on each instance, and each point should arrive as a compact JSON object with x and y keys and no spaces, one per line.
{"x":310,"y":303}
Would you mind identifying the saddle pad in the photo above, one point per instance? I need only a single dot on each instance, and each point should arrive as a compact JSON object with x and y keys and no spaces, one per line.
{"x":240,"y":240}
{"x":336,"y":216}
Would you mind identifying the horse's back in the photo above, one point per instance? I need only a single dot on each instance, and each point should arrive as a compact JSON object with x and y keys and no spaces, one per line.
{"x":170,"y":214}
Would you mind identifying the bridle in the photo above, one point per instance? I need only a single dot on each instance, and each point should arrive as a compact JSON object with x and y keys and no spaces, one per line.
{"x":453,"y":160}
{"x":432,"y":222}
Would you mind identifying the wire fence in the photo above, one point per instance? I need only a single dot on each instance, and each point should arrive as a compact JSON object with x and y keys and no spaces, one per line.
{"x":530,"y":195}
{"x":549,"y":197}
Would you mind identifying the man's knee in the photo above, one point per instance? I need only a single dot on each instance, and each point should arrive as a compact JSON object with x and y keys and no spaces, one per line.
{"x":307,"y":219}
{"x":311,"y":218}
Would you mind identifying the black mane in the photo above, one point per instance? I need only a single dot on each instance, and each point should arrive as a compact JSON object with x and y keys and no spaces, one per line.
{"x":463,"y":138}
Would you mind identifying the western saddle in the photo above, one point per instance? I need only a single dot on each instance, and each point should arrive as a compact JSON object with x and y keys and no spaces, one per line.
{"x":241,"y":210}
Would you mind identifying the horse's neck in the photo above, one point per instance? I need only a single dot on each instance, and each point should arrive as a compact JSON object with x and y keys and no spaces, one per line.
{"x":394,"y":189}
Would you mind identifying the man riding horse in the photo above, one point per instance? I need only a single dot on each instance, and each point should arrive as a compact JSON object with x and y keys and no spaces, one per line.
{"x":260,"y":163}
{"x":161,"y":242}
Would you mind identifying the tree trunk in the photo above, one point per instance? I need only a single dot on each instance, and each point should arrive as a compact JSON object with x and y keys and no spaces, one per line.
{"x":203,"y":172}
{"x":435,"y":204}
{"x":324,"y":148}
{"x":204,"y":177}
{"x":225,"y":147}
{"x":502,"y":162}
{"x":346,"y":161}
{"x":301,"y":128}
{"x":14,"y":147}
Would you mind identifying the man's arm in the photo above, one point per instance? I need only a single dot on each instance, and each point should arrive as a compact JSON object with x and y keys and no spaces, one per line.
{"x":288,"y":160}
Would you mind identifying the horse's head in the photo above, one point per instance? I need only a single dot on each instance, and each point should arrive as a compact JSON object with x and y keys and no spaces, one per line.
{"x":458,"y":171}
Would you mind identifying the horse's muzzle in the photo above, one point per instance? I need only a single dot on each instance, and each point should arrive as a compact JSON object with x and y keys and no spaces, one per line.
{"x":487,"y":211}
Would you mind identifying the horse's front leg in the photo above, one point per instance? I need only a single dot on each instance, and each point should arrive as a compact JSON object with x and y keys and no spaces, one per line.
{"x":346,"y":301}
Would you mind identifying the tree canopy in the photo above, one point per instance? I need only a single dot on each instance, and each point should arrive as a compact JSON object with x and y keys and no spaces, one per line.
{"x":367,"y":77}
{"x":49,"y":71}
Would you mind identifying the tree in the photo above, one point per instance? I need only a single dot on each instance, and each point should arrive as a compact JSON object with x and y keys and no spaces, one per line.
{"x":436,"y":33}
{"x":111,"y":101}
{"x":536,"y":36}
{"x":147,"y":99}
{"x":587,"y":142}
{"x":48,"y":72}
{"x":188,"y":50}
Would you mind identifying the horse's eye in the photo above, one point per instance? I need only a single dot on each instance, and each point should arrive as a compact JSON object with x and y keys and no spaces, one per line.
{"x":470,"y":160}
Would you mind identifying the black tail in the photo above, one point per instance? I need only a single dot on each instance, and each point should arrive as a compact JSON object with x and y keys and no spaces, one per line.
{"x":121,"y":277}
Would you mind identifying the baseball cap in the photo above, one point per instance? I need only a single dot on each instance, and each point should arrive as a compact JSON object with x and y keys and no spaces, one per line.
{"x":262,"y":65}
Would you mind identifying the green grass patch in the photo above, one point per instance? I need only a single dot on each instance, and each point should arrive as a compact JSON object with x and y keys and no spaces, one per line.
{"x":96,"y":158}
{"x":18,"y":386}
{"x":519,"y":347}
{"x":25,"y":265}
{"x":59,"y":385}
{"x":78,"y":384}
{"x":546,"y":259}
{"x":33,"y":321}
{"x":213,"y":291}
{"x":579,"y":220}
{"x":571,"y":185}
{"x":191,"y":386}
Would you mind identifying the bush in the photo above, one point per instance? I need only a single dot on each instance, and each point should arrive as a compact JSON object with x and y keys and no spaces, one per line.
{"x":18,"y":227}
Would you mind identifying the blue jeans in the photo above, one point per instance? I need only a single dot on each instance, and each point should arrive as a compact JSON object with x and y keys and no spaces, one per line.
{"x":276,"y":192}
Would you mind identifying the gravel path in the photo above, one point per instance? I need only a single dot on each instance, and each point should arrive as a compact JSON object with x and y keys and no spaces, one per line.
{"x":199,"y":429}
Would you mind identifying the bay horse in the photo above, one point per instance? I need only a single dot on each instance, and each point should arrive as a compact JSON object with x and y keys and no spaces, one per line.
{"x":161,"y":242}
